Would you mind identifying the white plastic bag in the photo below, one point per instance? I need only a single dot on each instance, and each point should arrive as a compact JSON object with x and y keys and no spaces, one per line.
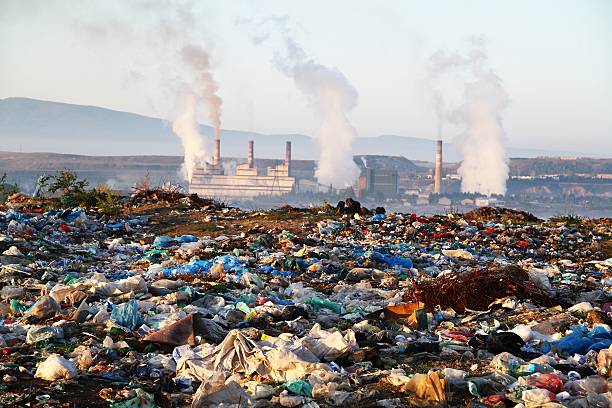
{"x":56,"y":367}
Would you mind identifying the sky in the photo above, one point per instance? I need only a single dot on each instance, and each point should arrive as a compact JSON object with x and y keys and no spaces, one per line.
{"x":553,"y":56}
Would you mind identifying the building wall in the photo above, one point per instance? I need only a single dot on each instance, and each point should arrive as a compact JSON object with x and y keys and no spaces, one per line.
{"x":245,"y":184}
{"x":378,"y":182}
{"x":385,"y":183}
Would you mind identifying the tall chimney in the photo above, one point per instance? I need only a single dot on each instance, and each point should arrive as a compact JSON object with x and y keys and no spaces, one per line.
{"x":217,"y":151}
{"x":250,"y":157}
{"x":438,"y":168}
{"x":288,"y":156}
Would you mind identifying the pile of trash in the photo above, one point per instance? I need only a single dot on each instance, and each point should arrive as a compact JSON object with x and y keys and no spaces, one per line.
{"x":328,"y":307}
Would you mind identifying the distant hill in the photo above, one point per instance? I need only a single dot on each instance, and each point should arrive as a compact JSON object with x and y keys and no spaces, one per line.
{"x":33,"y":125}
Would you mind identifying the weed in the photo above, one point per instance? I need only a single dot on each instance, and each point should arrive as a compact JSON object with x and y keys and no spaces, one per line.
{"x":567,"y":219}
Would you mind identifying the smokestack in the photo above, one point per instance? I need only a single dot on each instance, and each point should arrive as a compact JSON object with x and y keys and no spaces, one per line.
{"x":217,"y":151}
{"x":251,"y":155}
{"x":438,"y":168}
{"x":288,"y":156}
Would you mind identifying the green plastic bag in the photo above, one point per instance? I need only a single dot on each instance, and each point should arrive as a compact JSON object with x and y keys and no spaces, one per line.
{"x":319,"y":303}
{"x":299,"y":387}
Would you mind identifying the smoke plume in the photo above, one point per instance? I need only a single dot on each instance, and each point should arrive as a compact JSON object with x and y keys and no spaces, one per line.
{"x":484,"y":168}
{"x":164,"y":47}
{"x":332,"y":96}
{"x":185,"y":126}
{"x":440,"y":63}
{"x":199,"y":60}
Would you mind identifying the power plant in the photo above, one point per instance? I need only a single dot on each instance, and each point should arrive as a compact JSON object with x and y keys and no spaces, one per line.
{"x":211,"y":180}
{"x":247,"y":181}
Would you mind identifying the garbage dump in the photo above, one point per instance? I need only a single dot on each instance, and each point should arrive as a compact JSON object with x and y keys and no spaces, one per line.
{"x":183,"y":302}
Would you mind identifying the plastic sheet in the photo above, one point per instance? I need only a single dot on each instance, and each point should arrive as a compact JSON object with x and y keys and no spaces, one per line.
{"x":127,"y":315}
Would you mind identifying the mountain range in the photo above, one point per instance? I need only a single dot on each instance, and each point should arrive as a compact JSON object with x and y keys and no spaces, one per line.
{"x":32,"y":125}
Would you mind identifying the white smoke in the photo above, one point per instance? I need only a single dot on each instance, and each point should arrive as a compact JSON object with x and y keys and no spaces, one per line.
{"x":332,"y":96}
{"x":439,"y":64}
{"x":165,"y":50}
{"x":199,"y":60}
{"x":185,"y":126}
{"x":229,"y":167}
{"x":484,"y":168}
{"x":203,"y":88}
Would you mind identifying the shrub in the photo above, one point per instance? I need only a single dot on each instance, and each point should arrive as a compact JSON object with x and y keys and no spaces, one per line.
{"x":7,"y":189}
{"x":72,"y":192}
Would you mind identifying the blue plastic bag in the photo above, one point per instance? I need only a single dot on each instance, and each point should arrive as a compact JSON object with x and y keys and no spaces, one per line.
{"x":186,"y":238}
{"x":389,"y":259}
{"x":195,"y":268}
{"x":581,"y":341}
{"x":377,"y":217}
{"x":163,"y":241}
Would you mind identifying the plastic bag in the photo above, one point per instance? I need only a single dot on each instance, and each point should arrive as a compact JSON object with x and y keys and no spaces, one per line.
{"x":230,"y":393}
{"x":258,"y":391}
{"x":56,"y":367}
{"x":591,"y":385}
{"x":458,"y":254}
{"x":319,"y":303}
{"x":537,"y":397}
{"x":390,"y":260}
{"x":499,"y":342}
{"x":549,"y":381}
{"x":329,"y":345}
{"x":43,"y":333}
{"x":299,"y":387}
{"x":581,"y":341}
{"x":163,"y":241}
{"x":427,"y":388}
{"x":127,"y":315}
{"x":539,"y":277}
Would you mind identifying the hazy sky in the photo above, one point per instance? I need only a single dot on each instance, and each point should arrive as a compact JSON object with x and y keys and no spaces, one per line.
{"x":554,"y":57}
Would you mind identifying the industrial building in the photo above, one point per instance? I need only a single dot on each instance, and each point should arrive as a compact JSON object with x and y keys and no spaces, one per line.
{"x":377,"y":182}
{"x":211,"y":180}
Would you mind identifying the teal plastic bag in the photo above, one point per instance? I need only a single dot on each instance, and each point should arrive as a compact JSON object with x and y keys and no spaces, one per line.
{"x":299,"y":387}
{"x":127,"y":315}
{"x":319,"y":303}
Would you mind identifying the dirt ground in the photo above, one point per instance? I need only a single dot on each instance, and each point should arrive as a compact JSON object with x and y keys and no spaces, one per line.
{"x":166,"y":220}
